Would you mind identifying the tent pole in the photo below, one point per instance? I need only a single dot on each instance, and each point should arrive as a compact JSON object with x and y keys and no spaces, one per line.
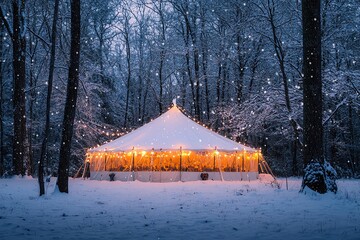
{"x":214,"y":159}
{"x":214,"y":162}
{"x":132,"y":164}
{"x":243,"y":165}
{"x":152,"y":165}
{"x":258,"y":152}
{"x":180,"y":161}
{"x":160,"y":163}
{"x":105,"y":158}
{"x":243,"y":162}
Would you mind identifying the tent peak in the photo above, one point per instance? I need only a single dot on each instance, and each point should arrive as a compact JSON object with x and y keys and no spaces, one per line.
{"x":174,"y":102}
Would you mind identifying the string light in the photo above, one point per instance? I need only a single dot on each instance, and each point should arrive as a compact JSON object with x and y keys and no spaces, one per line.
{"x":233,"y":154}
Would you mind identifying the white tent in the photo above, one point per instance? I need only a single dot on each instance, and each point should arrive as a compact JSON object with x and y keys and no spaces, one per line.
{"x":170,"y":131}
{"x":170,"y":148}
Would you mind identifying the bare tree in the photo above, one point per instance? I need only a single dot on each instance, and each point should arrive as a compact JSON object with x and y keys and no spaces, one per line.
{"x":189,"y":12}
{"x":126,"y":33}
{"x":18,"y":36}
{"x":315,"y":173}
{"x":1,"y":99}
{"x":71,"y":98}
{"x":48,"y":101}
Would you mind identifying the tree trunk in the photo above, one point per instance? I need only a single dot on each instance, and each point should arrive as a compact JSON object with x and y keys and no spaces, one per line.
{"x":254,"y":65}
{"x":19,"y":55}
{"x":32,"y":97}
{"x":241,"y":69}
{"x":218,"y":81}
{"x":141,"y":74}
{"x":315,"y":174}
{"x":162,"y":57}
{"x":43,"y":153}
{"x":197,"y":82}
{"x":128,"y":61}
{"x":147,"y":85}
{"x":188,"y":67}
{"x":161,"y":80}
{"x":204,"y":49}
{"x":192,"y":28}
{"x":1,"y":100}
{"x":224,"y":80}
{"x":207,"y":92}
{"x":71,"y":98}
{"x":187,"y":56}
{"x":352,"y":142}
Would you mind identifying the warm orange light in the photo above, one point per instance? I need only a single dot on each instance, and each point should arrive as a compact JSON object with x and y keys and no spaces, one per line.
{"x":166,"y":161}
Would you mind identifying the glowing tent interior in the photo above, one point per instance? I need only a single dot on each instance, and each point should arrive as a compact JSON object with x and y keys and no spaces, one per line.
{"x":173,"y":148}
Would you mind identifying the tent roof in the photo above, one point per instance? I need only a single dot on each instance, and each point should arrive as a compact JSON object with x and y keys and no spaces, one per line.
{"x":171,"y":131}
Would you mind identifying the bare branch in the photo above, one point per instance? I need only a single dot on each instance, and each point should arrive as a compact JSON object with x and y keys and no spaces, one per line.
{"x":6,"y":23}
{"x":343,"y":102}
{"x":39,"y":37}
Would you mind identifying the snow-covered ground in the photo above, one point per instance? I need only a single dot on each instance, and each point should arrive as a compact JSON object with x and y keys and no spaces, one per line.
{"x":189,"y":210}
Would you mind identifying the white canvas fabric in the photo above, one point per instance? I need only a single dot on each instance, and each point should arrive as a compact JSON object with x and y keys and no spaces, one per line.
{"x":171,"y":131}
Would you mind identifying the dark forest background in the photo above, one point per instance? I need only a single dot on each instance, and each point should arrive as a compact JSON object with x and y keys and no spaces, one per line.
{"x":235,"y":66}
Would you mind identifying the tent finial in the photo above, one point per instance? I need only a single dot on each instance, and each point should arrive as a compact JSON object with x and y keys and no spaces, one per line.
{"x":174,"y":102}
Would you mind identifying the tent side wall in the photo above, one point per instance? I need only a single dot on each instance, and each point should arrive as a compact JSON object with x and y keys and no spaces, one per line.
{"x":174,"y":165}
{"x":162,"y":176}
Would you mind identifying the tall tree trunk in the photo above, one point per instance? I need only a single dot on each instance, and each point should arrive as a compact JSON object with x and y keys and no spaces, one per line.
{"x":254,"y":65}
{"x":315,"y":176}
{"x":188,"y":67}
{"x":147,"y":86}
{"x":224,"y":79}
{"x":197,"y":82}
{"x":352,"y":142}
{"x":187,"y":56}
{"x":128,"y":61}
{"x":161,"y":80}
{"x":43,"y":154}
{"x":1,"y":100}
{"x":204,"y":49}
{"x":162,"y":57}
{"x":192,"y":31}
{"x":71,"y":98}
{"x":32,"y":97}
{"x":19,"y":55}
{"x":240,"y":68}
{"x":207,"y":92}
{"x":218,"y":81}
{"x":183,"y":87}
{"x":141,"y":74}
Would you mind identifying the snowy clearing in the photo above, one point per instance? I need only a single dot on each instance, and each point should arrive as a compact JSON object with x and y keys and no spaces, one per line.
{"x":190,"y":210}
